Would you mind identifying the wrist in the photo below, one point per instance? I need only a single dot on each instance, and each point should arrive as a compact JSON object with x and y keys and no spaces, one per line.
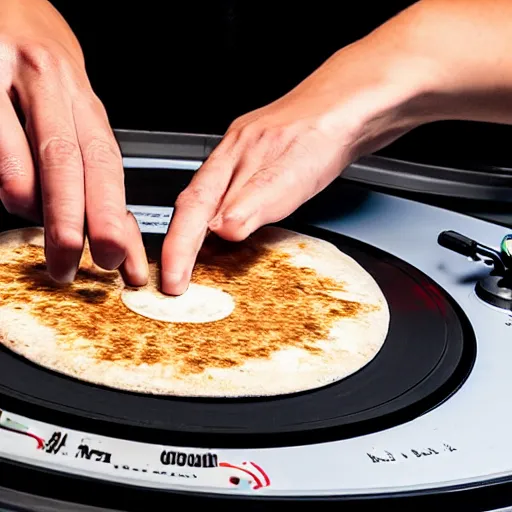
{"x":397,"y":92}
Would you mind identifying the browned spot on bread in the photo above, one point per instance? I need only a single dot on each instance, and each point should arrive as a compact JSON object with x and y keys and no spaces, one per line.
{"x":277,"y":306}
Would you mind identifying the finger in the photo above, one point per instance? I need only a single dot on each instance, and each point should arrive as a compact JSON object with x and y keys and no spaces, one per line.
{"x":135,"y":269}
{"x":193,"y":210}
{"x":251,"y":157}
{"x":105,"y":199}
{"x":270,"y":195}
{"x":52,"y":134}
{"x":18,"y":182}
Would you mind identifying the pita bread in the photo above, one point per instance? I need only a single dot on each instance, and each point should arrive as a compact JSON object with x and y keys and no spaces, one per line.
{"x":278,"y":313}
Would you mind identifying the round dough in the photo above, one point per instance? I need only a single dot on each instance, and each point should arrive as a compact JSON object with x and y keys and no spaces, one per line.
{"x":279,"y":313}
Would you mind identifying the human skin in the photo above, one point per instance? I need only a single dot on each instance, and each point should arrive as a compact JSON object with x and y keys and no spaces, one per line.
{"x":59,"y":160}
{"x":437,"y":60}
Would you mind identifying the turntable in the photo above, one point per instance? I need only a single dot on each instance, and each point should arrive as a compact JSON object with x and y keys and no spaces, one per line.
{"x":427,"y":422}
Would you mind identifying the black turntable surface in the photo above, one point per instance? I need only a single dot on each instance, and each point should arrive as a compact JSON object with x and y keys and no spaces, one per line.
{"x":428,"y":353}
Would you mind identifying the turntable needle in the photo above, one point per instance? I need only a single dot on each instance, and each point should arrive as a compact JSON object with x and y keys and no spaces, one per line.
{"x":470,"y":248}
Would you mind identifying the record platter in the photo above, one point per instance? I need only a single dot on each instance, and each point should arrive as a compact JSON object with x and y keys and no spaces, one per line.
{"x":426,"y":422}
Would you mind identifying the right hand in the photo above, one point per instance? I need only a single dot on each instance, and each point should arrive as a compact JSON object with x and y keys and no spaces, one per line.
{"x":64,"y":166}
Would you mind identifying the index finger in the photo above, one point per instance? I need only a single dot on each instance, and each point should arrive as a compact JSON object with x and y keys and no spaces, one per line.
{"x":193,"y":210}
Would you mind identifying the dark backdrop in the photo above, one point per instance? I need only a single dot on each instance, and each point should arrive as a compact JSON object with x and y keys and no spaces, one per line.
{"x":195,"y":66}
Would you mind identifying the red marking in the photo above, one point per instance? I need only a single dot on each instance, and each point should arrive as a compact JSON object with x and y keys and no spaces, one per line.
{"x":265,"y":476}
{"x":430,"y":296}
{"x":426,"y":300}
{"x":434,"y":291}
{"x":420,"y":298}
{"x":259,"y":484}
{"x":39,"y":440}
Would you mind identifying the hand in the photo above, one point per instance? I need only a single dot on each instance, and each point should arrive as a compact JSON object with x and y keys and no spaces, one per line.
{"x":274,"y":159}
{"x":65,"y":167}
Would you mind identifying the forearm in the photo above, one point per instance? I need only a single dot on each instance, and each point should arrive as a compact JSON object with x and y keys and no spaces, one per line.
{"x":460,"y":53}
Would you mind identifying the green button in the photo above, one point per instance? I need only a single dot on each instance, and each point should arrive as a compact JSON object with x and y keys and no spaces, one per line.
{"x":506,"y":245}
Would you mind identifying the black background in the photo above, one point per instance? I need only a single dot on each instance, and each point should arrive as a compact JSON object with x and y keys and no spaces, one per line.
{"x":195,"y":66}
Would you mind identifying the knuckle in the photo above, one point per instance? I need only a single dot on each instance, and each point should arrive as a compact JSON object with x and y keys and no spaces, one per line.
{"x":100,"y":152}
{"x":65,"y":236}
{"x":195,"y":196}
{"x":221,"y":152}
{"x":110,"y":232}
{"x":281,"y":136}
{"x":11,"y":170}
{"x":244,"y":129}
{"x":95,"y":102}
{"x":59,"y":152}
{"x":16,"y":198}
{"x":237,"y":124}
{"x":236,"y":220}
{"x":275,"y":132}
{"x":267,"y":177}
{"x":250,"y":134}
{"x":39,"y":58}
{"x":114,"y":230}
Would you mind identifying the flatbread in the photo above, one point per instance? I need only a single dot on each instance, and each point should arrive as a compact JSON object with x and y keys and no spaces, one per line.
{"x":279,"y":313}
